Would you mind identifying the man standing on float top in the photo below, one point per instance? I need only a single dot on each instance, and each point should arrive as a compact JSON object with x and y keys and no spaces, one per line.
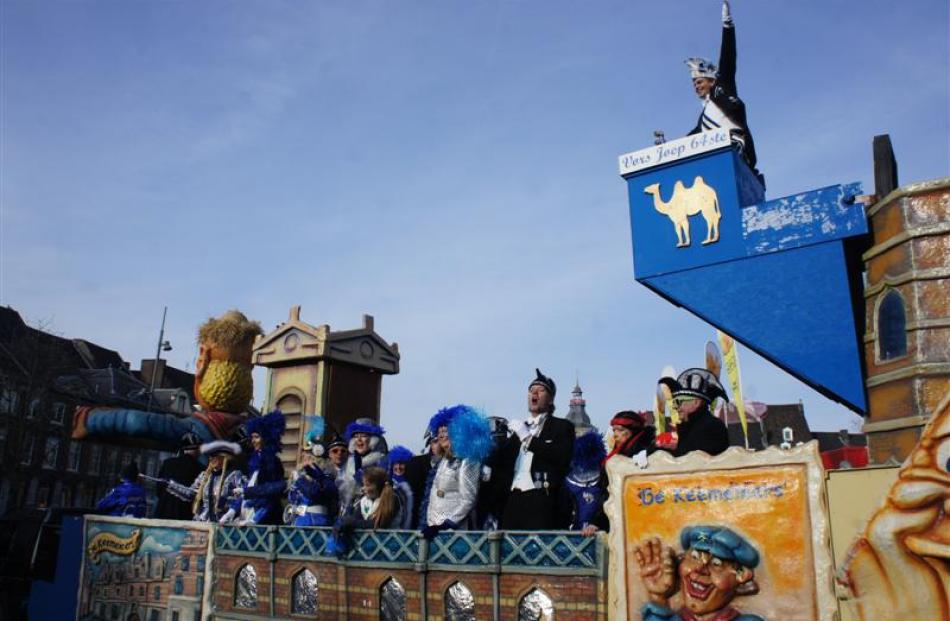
{"x":538,"y":456}
{"x":693,"y":393}
{"x":716,"y":87}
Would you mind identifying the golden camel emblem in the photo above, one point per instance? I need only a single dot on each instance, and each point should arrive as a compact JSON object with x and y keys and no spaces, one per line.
{"x":686,"y":202}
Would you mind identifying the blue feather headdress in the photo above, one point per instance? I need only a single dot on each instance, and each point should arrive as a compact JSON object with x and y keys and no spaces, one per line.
{"x":470,"y":434}
{"x":270,"y":427}
{"x":316,"y":425}
{"x":442,"y":418}
{"x":399,"y":455}
{"x":362,"y":427}
{"x":589,"y":452}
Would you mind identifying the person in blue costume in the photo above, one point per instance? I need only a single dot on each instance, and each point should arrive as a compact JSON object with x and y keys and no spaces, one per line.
{"x":585,"y":484}
{"x":313,"y":498}
{"x":717,"y":565}
{"x":127,"y":498}
{"x":399,"y":458}
{"x":367,"y":447}
{"x":262,"y":496}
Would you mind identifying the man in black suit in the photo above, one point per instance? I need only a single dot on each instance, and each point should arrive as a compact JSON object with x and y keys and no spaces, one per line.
{"x":182,"y":468}
{"x":538,"y":457}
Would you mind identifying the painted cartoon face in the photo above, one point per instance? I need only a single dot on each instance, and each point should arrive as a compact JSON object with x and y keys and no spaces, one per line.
{"x":361,"y":443}
{"x":257,"y":442}
{"x":709,"y":582}
{"x":338,"y":455}
{"x":539,"y":400}
{"x":399,"y":470}
{"x":703,"y":86}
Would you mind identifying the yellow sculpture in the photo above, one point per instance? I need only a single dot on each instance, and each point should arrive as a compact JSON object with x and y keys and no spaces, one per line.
{"x":900,"y":566}
{"x":223,"y":371}
{"x":686,"y":202}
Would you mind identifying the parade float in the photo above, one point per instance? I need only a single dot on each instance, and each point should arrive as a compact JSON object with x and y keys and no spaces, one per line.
{"x":743,"y":535}
{"x":849,"y":294}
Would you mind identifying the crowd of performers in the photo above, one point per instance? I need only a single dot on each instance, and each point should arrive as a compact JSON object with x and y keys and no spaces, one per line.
{"x":474,"y":471}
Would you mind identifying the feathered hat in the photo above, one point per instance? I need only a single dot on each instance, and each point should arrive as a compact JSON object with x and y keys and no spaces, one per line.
{"x":367,"y":426}
{"x":701,"y":68}
{"x":544,"y":381}
{"x":399,"y":455}
{"x":589,"y":452}
{"x":468,"y":429}
{"x":698,"y":383}
{"x":220,"y":447}
{"x":269,"y":427}
{"x":313,"y":439}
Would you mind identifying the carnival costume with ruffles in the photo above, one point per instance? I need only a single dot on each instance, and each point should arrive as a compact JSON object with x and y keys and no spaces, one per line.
{"x":126,"y":499}
{"x":314,"y":497}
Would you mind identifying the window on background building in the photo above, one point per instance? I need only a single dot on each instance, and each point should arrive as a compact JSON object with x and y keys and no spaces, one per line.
{"x":126,"y":459}
{"x":175,"y":616}
{"x":4,"y":496}
{"x":185,"y":562}
{"x":153,"y":616}
{"x":200,"y":561}
{"x":31,"y":493}
{"x":42,"y":496}
{"x":75,"y":457}
{"x":59,"y":413}
{"x":34,"y":410}
{"x":157,"y":593}
{"x":95,"y":459}
{"x":200,"y":586}
{"x":891,"y":327}
{"x":179,"y":585}
{"x":8,"y":401}
{"x":51,"y":453}
{"x":3,"y":439}
{"x":111,"y":460}
{"x":26,"y":457}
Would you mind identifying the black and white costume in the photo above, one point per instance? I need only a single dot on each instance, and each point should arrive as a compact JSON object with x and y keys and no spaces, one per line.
{"x":722,"y":108}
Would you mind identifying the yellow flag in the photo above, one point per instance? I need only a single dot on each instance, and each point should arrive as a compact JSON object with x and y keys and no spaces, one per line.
{"x":730,"y":357}
{"x":659,"y":415}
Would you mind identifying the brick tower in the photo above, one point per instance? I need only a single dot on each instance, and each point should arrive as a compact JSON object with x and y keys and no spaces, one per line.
{"x":907,"y":307}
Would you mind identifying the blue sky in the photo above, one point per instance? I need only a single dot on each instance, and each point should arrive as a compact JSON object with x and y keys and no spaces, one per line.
{"x":448,"y":167}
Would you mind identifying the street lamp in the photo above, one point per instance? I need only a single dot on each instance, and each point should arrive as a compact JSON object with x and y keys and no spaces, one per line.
{"x":163,"y":345}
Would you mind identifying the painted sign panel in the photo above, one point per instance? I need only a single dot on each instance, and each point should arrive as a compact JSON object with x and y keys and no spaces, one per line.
{"x":740,"y":533}
{"x":144,"y":570}
{"x":672,"y":151}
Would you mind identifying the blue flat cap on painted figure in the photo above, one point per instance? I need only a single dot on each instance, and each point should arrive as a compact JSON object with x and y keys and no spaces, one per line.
{"x":721,"y":542}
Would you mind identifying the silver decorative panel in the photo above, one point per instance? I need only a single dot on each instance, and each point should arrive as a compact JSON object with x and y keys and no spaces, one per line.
{"x":459,"y":603}
{"x":392,"y":601}
{"x":304,"y":592}
{"x":245,"y":591}
{"x":536,"y":606}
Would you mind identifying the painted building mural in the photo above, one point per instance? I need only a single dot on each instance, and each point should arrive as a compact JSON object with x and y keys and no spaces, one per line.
{"x":143,"y":570}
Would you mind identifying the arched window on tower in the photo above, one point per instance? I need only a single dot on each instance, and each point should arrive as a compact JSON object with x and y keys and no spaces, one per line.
{"x":891,"y":326}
